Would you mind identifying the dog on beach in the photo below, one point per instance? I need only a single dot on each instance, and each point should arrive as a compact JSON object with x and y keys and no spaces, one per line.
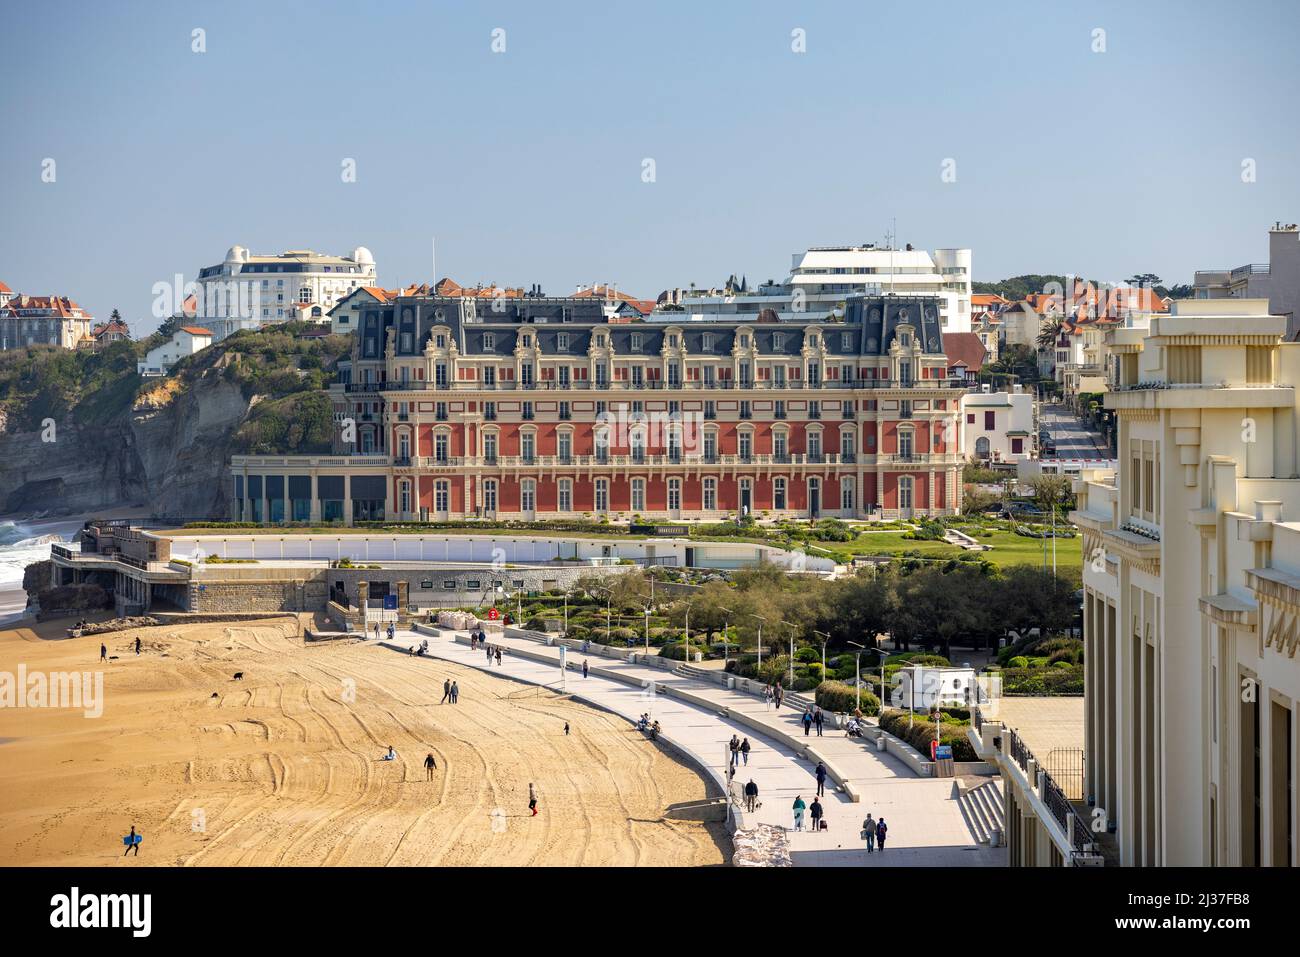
{"x":239,"y":676}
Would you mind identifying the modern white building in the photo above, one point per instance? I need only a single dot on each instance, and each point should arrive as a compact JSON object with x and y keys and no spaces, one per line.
{"x":920,"y":688}
{"x":998,"y":426}
{"x":1191,"y":580}
{"x":820,"y":279}
{"x":247,"y":291}
{"x":186,"y":341}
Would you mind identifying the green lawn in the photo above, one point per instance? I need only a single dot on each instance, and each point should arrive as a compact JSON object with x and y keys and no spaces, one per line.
{"x":1008,"y":549}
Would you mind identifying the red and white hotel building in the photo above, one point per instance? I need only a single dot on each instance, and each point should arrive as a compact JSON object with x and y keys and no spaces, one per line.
{"x":543,"y":408}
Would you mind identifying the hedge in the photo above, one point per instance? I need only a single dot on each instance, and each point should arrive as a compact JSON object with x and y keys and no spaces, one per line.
{"x":921,"y":734}
{"x":1066,"y":681}
{"x":843,"y":698}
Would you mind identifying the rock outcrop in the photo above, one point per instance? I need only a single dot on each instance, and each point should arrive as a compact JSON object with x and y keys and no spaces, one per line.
{"x":169,"y":453}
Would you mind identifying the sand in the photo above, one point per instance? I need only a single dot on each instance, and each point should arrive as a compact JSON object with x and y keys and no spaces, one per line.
{"x":283,"y":768}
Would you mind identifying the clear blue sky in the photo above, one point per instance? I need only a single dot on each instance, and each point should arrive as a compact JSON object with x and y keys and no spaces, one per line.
{"x":526,"y":165}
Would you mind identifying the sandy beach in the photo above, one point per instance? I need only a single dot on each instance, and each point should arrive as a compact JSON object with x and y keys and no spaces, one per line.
{"x":284,"y":767}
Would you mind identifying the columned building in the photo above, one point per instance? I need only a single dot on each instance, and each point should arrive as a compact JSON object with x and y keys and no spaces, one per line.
{"x":540,"y":408}
{"x":1192,"y":593}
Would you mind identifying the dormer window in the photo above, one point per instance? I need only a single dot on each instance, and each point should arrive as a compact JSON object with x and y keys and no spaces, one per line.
{"x":600,"y":340}
{"x":636,"y":342}
{"x":489,"y":341}
{"x":527,"y":341}
{"x":707,"y":344}
{"x":778,"y":340}
{"x":562,"y":341}
{"x":672,"y":341}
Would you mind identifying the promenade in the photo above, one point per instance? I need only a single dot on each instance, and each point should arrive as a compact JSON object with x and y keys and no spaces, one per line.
{"x":927,"y":826}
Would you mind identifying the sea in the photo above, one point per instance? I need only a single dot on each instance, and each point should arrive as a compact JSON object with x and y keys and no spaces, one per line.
{"x":21,"y":543}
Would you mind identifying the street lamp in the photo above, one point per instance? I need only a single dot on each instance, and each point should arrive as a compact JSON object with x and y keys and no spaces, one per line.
{"x":825,"y":638}
{"x":761,"y":620}
{"x":791,"y":626}
{"x":726,"y":623}
{"x":857,"y":671}
{"x":648,"y":604}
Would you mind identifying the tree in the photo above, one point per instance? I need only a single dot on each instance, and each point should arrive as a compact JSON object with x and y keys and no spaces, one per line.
{"x":1145,"y":279}
{"x":1050,"y":332}
{"x":1049,"y":491}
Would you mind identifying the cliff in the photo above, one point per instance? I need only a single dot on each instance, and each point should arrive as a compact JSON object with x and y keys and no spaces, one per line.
{"x":165,"y":444}
{"x":170,"y":458}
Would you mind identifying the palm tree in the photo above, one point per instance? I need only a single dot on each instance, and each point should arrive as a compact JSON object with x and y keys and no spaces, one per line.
{"x":1050,"y":332}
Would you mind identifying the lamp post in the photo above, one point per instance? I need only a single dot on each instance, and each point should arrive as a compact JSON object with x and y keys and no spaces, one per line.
{"x":825,"y":637}
{"x":726,"y":623}
{"x":761,"y":619}
{"x":566,"y":611}
{"x":791,"y":626}
{"x":857,"y":671}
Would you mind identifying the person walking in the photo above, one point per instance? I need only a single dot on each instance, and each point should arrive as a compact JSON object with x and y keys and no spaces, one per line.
{"x":744,"y":751}
{"x":429,"y":765}
{"x":816,"y":812}
{"x":455,"y":692}
{"x":751,"y":795}
{"x":799,"y":808}
{"x":498,"y":656}
{"x":734,"y":747}
{"x":103,"y":651}
{"x":532,"y":799}
{"x":767,"y":697}
{"x":881,"y":830}
{"x":869,"y":832}
{"x":821,"y":778}
{"x":779,"y":695}
{"x":807,"y":722}
{"x":566,"y":729}
{"x":133,"y":841}
{"x":584,"y":667}
{"x":446,"y":691}
{"x":137,"y":646}
{"x":819,"y":719}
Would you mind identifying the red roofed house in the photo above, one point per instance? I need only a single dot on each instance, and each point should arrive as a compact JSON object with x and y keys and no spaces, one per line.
{"x":115,"y":330}
{"x":187,"y":341}
{"x":966,"y":355}
{"x":5,"y":294}
{"x":42,"y":320}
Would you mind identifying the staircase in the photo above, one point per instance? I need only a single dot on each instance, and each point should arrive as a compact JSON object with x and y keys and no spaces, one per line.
{"x":982,"y":808}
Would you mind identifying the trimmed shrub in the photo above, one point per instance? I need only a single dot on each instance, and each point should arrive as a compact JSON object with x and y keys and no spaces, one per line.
{"x":1019,"y":661}
{"x":843,"y":698}
{"x":921,"y":733}
{"x":1043,"y":681}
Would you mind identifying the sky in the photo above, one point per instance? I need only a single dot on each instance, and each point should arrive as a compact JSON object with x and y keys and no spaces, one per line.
{"x":648,"y":145}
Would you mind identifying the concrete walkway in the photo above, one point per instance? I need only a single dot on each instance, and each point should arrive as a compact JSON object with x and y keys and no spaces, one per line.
{"x":927,"y":826}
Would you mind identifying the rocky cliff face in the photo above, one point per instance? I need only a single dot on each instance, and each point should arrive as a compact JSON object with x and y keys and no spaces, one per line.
{"x":168,"y":453}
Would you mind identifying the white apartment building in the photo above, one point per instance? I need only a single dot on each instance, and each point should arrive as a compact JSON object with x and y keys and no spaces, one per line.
{"x":1192,"y":593}
{"x":247,"y":291}
{"x":998,"y":426}
{"x":186,"y":341}
{"x":821,"y":277}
